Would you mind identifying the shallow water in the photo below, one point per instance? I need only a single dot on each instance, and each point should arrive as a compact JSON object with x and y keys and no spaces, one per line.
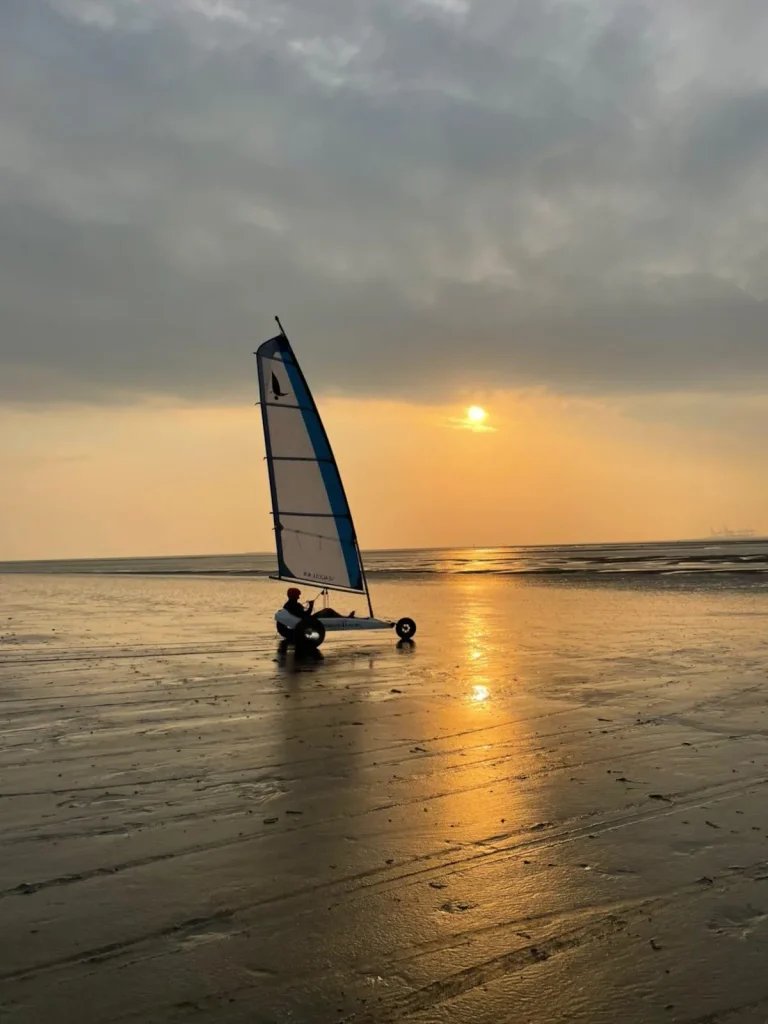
{"x":725,"y":558}
{"x":550,"y":807}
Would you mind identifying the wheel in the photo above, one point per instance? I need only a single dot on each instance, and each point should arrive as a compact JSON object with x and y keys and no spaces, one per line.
{"x":285,"y":633}
{"x":405,"y":628}
{"x":309,"y":633}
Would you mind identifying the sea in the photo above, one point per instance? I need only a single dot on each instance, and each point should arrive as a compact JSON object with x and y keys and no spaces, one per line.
{"x":728,"y":560}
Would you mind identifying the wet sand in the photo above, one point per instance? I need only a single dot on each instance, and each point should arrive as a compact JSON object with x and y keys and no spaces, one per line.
{"x":551,"y":808}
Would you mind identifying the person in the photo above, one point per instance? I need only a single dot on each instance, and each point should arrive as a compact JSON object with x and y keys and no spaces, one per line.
{"x":295,"y":607}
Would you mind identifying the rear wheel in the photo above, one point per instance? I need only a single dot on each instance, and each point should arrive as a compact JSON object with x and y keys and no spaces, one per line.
{"x":405,"y":628}
{"x":309,"y":633}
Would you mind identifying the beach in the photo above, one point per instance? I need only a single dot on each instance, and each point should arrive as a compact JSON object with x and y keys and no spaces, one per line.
{"x":550,"y":807}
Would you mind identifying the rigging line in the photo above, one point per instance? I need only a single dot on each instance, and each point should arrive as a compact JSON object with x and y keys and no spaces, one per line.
{"x":316,"y":515}
{"x":299,"y":458}
{"x":306,"y":533}
{"x":286,"y":405}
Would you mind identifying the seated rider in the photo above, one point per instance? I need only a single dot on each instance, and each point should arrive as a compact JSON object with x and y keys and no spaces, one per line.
{"x":295,"y":607}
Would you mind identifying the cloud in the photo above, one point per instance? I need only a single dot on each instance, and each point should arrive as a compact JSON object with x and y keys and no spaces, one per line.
{"x":433,"y":193}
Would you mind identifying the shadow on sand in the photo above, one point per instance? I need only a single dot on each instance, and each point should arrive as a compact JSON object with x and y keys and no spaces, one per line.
{"x":307,"y":658}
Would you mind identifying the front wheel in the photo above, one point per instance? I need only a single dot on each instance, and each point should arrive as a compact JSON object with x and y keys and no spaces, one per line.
{"x":309,"y":633}
{"x":405,"y":628}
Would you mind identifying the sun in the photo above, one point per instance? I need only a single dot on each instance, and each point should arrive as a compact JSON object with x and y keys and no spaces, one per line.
{"x":475,"y":419}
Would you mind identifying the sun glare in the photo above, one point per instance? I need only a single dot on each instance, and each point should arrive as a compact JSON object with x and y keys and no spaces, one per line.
{"x":475,"y":418}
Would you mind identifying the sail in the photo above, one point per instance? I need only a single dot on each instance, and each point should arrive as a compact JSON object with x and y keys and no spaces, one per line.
{"x":314,"y":533}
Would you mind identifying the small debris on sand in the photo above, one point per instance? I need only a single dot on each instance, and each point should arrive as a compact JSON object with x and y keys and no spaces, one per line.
{"x":454,"y":907}
{"x":26,"y":888}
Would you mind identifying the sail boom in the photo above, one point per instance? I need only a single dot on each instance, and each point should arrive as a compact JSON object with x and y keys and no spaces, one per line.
{"x":318,"y":583}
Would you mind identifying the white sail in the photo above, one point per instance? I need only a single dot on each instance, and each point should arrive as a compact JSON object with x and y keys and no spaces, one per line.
{"x":314,"y":533}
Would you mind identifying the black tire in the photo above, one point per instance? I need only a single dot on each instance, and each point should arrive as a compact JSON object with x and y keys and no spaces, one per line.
{"x":310,"y":633}
{"x":284,"y":631}
{"x":405,"y":629}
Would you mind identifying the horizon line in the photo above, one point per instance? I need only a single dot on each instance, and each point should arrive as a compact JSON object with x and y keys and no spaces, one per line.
{"x":712,"y":538}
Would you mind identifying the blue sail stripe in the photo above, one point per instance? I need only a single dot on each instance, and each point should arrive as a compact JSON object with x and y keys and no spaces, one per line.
{"x":329,"y":472}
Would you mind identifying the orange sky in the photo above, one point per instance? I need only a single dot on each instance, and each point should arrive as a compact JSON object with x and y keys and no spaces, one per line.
{"x":168,"y":479}
{"x":577,"y":205}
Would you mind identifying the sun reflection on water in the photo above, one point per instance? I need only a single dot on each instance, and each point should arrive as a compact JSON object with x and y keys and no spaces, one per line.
{"x":479,"y":693}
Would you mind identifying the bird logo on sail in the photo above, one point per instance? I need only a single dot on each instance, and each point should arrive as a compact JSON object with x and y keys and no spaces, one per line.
{"x":276,"y":389}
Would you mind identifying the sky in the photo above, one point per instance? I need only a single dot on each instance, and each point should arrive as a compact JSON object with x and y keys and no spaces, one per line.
{"x":555,"y":209}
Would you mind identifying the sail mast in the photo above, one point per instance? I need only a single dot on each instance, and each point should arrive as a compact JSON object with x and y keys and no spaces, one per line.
{"x":271,"y":473}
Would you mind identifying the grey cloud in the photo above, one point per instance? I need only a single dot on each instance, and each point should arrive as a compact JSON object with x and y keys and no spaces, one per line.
{"x":564,"y":193}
